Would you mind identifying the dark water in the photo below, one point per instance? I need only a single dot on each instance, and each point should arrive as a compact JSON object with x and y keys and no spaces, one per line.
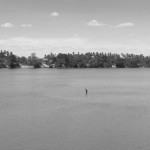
{"x":47,"y":109}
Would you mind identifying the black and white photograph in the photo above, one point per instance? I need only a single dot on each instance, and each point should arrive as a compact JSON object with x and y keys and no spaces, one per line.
{"x":74,"y":74}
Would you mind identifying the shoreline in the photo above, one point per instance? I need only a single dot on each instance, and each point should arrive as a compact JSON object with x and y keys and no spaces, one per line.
{"x":28,"y":67}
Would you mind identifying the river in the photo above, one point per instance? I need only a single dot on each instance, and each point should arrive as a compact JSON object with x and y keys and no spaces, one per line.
{"x":47,"y":109}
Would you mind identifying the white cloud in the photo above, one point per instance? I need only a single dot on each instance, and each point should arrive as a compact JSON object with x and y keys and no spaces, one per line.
{"x":7,"y":25}
{"x":25,"y":46}
{"x":126,"y":24}
{"x":55,"y":14}
{"x":26,"y":25}
{"x":43,"y":43}
{"x":10,"y":25}
{"x":95,"y":23}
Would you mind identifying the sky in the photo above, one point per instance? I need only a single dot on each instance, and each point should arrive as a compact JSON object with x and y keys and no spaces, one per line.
{"x":44,"y":26}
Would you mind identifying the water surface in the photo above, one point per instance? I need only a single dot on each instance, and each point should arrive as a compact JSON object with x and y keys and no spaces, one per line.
{"x":47,"y":109}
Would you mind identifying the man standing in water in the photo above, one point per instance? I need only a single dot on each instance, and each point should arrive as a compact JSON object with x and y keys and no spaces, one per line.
{"x":86,"y":91}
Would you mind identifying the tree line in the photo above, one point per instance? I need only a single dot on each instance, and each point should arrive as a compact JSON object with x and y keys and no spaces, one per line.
{"x":75,"y":60}
{"x":97,"y":60}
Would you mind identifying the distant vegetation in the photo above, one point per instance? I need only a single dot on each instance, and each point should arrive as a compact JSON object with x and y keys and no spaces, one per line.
{"x":79,"y":60}
{"x":8,"y":59}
